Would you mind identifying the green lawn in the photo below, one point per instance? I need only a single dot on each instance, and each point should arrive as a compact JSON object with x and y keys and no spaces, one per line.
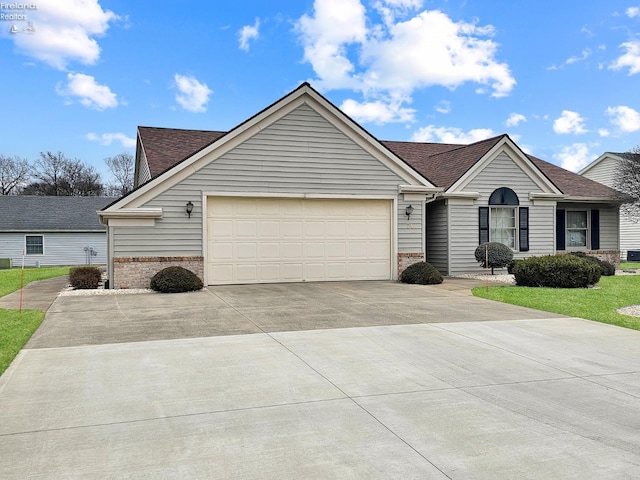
{"x":599,"y":304}
{"x":630,"y":265}
{"x":17,"y":327}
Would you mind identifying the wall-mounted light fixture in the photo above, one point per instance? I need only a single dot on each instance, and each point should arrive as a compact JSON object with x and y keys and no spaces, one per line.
{"x":189,"y":208}
{"x":408,"y":211}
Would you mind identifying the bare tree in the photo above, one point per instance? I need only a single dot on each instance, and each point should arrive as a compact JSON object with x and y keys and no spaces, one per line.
{"x":59,"y":176}
{"x":627,"y":181}
{"x":14,"y":172}
{"x":121,"y":167}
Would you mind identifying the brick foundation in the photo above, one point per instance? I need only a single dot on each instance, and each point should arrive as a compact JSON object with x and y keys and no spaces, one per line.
{"x":407,"y":259}
{"x":611,"y":256}
{"x":136,"y":272}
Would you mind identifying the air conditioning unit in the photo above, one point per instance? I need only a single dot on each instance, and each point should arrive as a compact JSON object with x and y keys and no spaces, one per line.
{"x":633,"y":255}
{"x":6,"y":263}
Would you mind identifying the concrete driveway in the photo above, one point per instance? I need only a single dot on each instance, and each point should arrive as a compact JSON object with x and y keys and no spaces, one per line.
{"x":359,"y":380}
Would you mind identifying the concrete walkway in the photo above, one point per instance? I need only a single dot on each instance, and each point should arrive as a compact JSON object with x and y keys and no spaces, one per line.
{"x":527,"y":397}
{"x":36,"y":295}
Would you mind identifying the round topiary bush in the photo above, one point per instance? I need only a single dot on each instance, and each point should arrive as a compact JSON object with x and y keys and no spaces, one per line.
{"x":85,"y":277}
{"x":556,"y":271}
{"x":498,"y":255}
{"x":175,"y":280}
{"x":421,"y":273}
{"x":606,"y":268}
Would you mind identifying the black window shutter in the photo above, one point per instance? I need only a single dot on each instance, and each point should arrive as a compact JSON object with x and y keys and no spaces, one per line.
{"x":595,"y":229}
{"x":483,"y":222}
{"x":560,"y":239}
{"x":524,"y":229}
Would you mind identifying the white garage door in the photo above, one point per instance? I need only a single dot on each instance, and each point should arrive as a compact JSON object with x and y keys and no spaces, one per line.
{"x":268,"y":240}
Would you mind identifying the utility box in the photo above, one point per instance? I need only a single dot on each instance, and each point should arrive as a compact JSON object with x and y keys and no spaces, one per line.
{"x":633,"y":255}
{"x":6,"y":263}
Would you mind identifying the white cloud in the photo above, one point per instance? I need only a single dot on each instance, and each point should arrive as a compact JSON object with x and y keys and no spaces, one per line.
{"x":515,"y":119}
{"x":406,"y":51}
{"x":443,"y":107}
{"x":248,"y":32}
{"x":603,"y":132}
{"x":625,"y":118}
{"x":432,"y":133}
{"x":574,"y":157}
{"x":65,"y":32}
{"x":630,"y":59}
{"x":633,"y":12}
{"x":569,"y":122}
{"x":377,"y":111}
{"x":192,"y":95}
{"x":109,"y":138}
{"x":89,"y":93}
{"x":586,"y":53}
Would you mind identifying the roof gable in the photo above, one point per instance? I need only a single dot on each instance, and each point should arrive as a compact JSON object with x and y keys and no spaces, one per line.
{"x":26,"y":213}
{"x":304,"y":94}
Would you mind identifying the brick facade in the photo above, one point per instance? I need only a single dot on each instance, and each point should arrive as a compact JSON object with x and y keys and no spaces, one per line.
{"x":407,"y":259}
{"x":136,"y":272}
{"x":611,"y":256}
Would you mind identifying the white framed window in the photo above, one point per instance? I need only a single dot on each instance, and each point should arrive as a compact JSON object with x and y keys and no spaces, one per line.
{"x":503,"y":226}
{"x":34,"y":244}
{"x":577,"y":228}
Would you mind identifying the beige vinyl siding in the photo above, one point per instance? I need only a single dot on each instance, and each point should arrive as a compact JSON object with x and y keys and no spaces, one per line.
{"x":604,"y":172}
{"x":629,"y":235}
{"x":437,"y":236}
{"x":59,"y":248}
{"x":301,"y":153}
{"x":502,"y":171}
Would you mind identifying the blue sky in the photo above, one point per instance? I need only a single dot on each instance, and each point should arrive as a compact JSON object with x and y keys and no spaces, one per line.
{"x":562,"y":78}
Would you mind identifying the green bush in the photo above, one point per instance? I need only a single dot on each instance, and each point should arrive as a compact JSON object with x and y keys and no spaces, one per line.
{"x":498,"y":255}
{"x":422,"y":273}
{"x":511,"y":266}
{"x":556,"y":271}
{"x":85,"y":277}
{"x":175,"y":280}
{"x":606,"y":268}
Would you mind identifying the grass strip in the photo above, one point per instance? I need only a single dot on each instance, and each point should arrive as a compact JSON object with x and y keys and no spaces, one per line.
{"x":15,"y":330}
{"x":598,"y":304}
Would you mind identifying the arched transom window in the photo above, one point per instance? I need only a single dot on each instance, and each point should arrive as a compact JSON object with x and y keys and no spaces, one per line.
{"x":503,"y":221}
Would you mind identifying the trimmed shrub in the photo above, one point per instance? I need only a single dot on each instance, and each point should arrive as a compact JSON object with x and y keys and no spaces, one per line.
{"x":607,"y":268}
{"x":85,"y":277}
{"x":175,"y":280}
{"x":511,"y":266}
{"x":421,"y":273}
{"x":556,"y":271}
{"x":498,"y":255}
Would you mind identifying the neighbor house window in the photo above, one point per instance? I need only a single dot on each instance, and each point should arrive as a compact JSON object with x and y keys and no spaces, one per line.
{"x":503,"y":221}
{"x":34,"y":245}
{"x":577,"y":229}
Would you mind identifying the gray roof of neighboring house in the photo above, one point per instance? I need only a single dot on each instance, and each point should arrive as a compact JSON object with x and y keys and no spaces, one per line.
{"x":27,"y":213}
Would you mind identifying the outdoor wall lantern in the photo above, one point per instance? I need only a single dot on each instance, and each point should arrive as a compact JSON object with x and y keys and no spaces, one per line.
{"x":408,"y":211}
{"x":189,"y":208}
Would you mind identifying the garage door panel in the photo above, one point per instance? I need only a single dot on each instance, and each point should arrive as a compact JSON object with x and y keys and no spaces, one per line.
{"x":254,"y":240}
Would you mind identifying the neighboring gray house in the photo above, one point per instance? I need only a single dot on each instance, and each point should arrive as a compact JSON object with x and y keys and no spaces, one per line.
{"x":300,"y":192}
{"x":52,"y":230}
{"x":603,"y":170}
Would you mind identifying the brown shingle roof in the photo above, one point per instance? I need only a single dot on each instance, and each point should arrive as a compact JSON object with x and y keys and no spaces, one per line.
{"x":166,"y":147}
{"x":440,"y":163}
{"x":571,"y":183}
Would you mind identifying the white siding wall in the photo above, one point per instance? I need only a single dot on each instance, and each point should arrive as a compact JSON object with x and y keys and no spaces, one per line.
{"x":300,"y":153}
{"x":501,"y":172}
{"x":604,"y":172}
{"x":410,"y":230}
{"x":437,"y":242}
{"x":59,"y":248}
